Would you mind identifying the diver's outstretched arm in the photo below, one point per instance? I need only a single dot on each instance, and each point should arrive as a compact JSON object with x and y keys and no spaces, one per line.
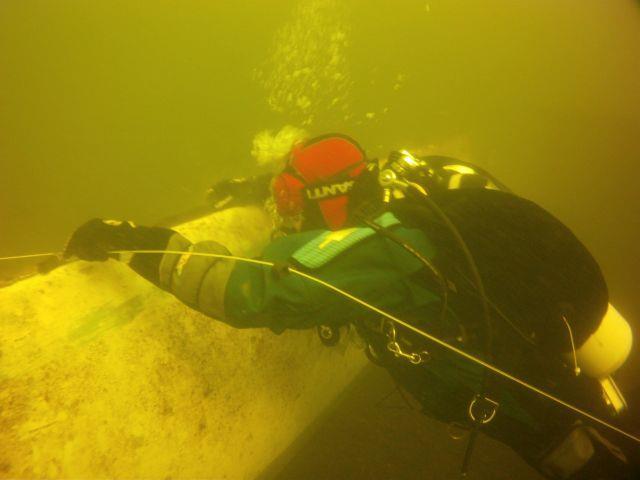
{"x":198,"y":281}
{"x":236,"y":192}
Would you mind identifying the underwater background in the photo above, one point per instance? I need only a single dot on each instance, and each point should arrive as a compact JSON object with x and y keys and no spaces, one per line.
{"x":130,"y":110}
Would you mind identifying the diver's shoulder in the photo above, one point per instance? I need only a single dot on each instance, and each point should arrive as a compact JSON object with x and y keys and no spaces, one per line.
{"x":284,"y":246}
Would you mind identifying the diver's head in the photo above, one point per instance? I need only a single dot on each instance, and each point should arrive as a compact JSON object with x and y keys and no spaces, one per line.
{"x":315,"y":189}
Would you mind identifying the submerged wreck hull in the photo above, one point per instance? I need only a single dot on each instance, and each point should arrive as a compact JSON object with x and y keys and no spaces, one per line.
{"x":104,"y":375}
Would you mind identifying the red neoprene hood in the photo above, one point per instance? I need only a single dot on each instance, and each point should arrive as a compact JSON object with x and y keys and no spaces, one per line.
{"x":319,"y":175}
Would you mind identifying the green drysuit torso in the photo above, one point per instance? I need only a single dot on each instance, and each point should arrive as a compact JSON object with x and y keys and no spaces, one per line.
{"x":364,"y":264}
{"x":384,"y":274}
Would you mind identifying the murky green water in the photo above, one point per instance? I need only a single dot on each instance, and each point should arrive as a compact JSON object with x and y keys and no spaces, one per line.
{"x":131,"y":109}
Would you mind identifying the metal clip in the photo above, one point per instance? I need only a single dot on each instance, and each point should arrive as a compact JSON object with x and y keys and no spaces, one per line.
{"x":329,"y":335}
{"x":416,"y":358}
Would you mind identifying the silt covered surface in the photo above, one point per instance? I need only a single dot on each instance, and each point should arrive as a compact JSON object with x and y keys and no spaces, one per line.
{"x":104,"y":375}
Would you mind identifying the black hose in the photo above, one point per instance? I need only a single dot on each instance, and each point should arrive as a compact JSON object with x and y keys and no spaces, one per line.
{"x":442,"y":281}
{"x":418,"y":193}
{"x":444,"y":218}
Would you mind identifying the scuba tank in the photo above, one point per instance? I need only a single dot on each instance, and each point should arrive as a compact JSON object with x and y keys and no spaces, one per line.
{"x":603,"y":345}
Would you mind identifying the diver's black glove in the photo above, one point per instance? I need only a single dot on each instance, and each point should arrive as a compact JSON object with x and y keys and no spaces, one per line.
{"x":96,"y":238}
{"x":239,"y":191}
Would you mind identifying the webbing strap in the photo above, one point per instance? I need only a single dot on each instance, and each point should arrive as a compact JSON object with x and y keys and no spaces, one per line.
{"x":329,"y":244}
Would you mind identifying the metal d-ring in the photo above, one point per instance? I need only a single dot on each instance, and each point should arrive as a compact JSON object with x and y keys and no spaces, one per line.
{"x":488,"y":403}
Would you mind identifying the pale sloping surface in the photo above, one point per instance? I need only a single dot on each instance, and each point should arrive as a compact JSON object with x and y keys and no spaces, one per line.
{"x":103,"y":375}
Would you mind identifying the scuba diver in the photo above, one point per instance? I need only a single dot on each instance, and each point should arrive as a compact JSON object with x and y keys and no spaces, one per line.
{"x":442,"y":245}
